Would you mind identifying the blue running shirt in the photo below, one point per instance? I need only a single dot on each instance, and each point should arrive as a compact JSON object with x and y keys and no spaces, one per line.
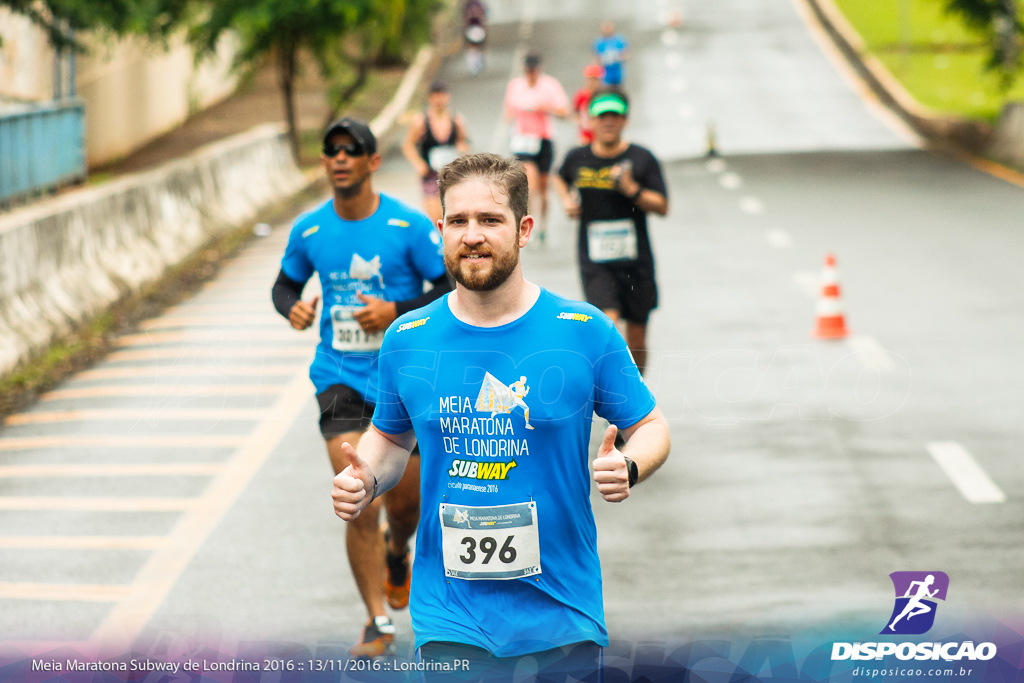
{"x":609,"y":53}
{"x":506,"y":550}
{"x":387,"y":255}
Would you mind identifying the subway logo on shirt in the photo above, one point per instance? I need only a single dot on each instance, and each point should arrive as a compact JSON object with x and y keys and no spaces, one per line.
{"x":477,"y":469}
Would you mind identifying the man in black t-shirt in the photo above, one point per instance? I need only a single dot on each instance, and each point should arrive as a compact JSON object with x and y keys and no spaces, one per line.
{"x":611,"y":185}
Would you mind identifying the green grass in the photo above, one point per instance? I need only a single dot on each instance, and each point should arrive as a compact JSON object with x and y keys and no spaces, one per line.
{"x":937,"y":60}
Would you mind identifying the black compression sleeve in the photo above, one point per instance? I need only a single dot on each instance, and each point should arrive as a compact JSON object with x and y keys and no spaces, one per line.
{"x":286,"y":293}
{"x":441,"y":287}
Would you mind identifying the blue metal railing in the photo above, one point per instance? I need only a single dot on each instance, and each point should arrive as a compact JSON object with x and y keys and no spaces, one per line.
{"x":41,"y":147}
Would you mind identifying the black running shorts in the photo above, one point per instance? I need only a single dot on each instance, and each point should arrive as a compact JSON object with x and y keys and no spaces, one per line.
{"x":629,"y":290}
{"x":343,"y":410}
{"x":543,"y":159}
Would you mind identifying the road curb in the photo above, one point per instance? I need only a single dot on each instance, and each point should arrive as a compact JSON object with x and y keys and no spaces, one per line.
{"x":951,"y":132}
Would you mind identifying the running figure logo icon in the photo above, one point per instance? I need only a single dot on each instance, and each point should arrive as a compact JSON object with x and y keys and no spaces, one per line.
{"x":495,"y":397}
{"x":916,"y":593}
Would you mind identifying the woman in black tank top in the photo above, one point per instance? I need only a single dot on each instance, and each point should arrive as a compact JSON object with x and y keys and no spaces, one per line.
{"x":427,"y":152}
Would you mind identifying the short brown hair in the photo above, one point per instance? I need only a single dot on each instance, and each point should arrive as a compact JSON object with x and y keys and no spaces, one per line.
{"x":506,"y":173}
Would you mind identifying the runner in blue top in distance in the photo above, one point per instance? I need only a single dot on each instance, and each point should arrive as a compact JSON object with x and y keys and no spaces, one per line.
{"x":498,"y":382}
{"x":372,"y":254}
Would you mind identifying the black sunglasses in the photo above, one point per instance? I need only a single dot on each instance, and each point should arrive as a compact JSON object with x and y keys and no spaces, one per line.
{"x":352,"y":149}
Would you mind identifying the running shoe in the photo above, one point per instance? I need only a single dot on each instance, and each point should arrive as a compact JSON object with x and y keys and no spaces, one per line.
{"x":397,"y":577}
{"x":378,"y":640}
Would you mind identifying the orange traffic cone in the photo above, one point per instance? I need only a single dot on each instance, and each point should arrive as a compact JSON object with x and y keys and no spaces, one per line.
{"x":831,"y":322}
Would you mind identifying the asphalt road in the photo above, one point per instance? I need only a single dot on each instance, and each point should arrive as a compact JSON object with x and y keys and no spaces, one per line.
{"x":180,"y":489}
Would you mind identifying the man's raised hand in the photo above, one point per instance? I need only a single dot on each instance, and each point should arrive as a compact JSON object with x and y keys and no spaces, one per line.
{"x":303,"y":313}
{"x":610,"y":473}
{"x":353,"y":486}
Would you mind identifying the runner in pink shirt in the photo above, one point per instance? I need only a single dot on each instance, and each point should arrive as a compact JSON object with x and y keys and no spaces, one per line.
{"x":530,"y":102}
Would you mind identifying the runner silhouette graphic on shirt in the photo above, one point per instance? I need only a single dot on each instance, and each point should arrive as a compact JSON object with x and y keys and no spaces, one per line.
{"x":519,"y":391}
{"x":914,"y":606}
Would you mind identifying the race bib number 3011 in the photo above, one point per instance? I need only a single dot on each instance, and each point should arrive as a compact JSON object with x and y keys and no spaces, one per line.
{"x":348,"y":334}
{"x":499,"y":542}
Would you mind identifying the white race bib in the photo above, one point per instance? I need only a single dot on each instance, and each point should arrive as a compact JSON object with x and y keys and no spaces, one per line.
{"x":499,"y":542}
{"x":612,"y":240}
{"x":348,"y":335}
{"x":524,"y":144}
{"x":442,"y":156}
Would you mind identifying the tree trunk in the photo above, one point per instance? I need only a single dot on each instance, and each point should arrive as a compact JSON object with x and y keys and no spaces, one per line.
{"x":1008,"y":36}
{"x":286,"y":78}
{"x":348,"y":93}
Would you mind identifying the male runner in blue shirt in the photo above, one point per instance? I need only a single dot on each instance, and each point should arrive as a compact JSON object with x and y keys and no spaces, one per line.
{"x":372,"y":254}
{"x":506,"y":552}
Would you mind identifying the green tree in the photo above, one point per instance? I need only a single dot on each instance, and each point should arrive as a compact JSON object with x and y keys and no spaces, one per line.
{"x":280,"y":30}
{"x":999,"y":21}
{"x":64,"y":21}
{"x":391,"y":32}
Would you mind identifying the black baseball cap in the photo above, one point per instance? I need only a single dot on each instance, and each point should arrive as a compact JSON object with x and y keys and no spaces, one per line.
{"x":359,"y":131}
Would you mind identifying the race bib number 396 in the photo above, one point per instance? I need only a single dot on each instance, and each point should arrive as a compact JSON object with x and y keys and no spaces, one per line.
{"x":499,"y":542}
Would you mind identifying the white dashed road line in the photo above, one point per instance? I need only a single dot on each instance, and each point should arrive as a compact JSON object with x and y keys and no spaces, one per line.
{"x":965,"y":472}
{"x":730,"y":181}
{"x":871,"y":353}
{"x":752,"y":206}
{"x":780,"y":239}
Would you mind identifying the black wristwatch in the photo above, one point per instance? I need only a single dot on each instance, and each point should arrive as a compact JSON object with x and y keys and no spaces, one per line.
{"x":634,"y":471}
{"x":636,"y":195}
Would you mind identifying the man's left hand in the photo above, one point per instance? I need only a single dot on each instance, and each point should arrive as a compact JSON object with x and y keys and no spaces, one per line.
{"x":376,"y":315}
{"x":624,"y":181}
{"x":610,"y":473}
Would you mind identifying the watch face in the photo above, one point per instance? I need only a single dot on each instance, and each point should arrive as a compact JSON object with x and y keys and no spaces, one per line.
{"x":634,"y":472}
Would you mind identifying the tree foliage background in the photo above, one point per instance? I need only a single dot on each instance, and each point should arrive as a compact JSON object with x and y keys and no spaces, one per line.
{"x":999,"y":22}
{"x":63,"y":21}
{"x":345,"y":38}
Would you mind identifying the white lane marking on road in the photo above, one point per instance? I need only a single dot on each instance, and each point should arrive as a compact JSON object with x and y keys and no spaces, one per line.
{"x":21,"y":443}
{"x":752,"y":206}
{"x":80,"y":542}
{"x":96,"y":504}
{"x":221,"y":353}
{"x":150,"y":415}
{"x":673,"y":60}
{"x":730,"y":180}
{"x":186,"y":391}
{"x":965,"y":472}
{"x":221,"y":320}
{"x":207,"y":335}
{"x":187,"y":370}
{"x":669,"y":37}
{"x":871,"y":353}
{"x":715,"y":165}
{"x":157,"y":577}
{"x":808,"y":281}
{"x":10,"y":590}
{"x":780,"y":239}
{"x":186,"y":469}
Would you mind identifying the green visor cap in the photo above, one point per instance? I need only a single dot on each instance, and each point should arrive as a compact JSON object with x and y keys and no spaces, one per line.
{"x":608,"y":103}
